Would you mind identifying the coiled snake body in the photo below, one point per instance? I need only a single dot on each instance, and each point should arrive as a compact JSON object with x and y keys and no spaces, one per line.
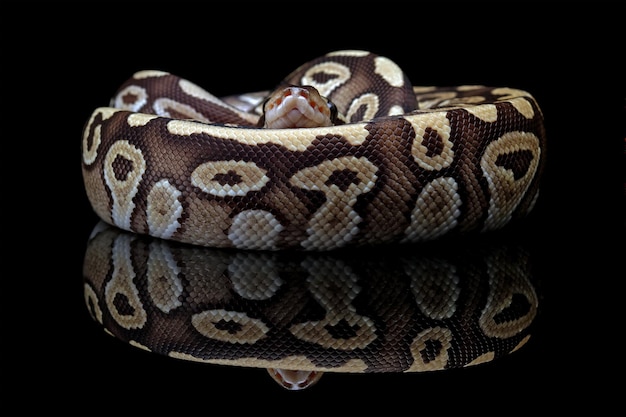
{"x":409,"y":164}
{"x":402,"y":310}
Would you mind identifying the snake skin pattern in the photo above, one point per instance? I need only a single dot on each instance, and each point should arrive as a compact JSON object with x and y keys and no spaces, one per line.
{"x":410,"y":164}
{"x":312,"y":312}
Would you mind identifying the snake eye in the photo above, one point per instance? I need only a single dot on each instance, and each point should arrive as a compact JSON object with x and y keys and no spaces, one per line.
{"x":264,"y":103}
{"x":333,"y":110}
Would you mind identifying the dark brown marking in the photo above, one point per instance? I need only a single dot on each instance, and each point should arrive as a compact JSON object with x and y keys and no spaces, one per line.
{"x":229,"y":178}
{"x":121,"y":167}
{"x":324,"y":77}
{"x":343,"y":178}
{"x":342,"y":330}
{"x":129,"y":98}
{"x":97,"y":121}
{"x":518,"y":308}
{"x":432,"y":142}
{"x":230,"y":326}
{"x":518,"y":162}
{"x":175,"y":114}
{"x":358,"y":115}
{"x":122,"y":305}
{"x":431,"y":351}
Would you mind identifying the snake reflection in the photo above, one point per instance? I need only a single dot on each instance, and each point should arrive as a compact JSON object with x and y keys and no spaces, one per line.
{"x":303,"y":314}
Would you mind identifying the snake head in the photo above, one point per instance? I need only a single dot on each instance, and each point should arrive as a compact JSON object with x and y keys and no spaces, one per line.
{"x":294,"y":380}
{"x":297,"y":106}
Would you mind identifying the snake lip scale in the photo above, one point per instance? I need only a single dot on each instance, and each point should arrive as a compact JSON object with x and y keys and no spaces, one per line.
{"x":410,"y":163}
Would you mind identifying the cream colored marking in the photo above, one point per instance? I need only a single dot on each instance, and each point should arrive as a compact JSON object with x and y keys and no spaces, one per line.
{"x":506,"y":191}
{"x":207,"y":221}
{"x":123,"y":190}
{"x":292,"y":139}
{"x":439,"y":123}
{"x":371,"y":103}
{"x":395,"y":111}
{"x":254,"y":229}
{"x":252,"y":178}
{"x":470,"y":87}
{"x":106,"y":112}
{"x":503,"y":285}
{"x":334,"y":286}
{"x":164,"y":285}
{"x":435,"y":287}
{"x":389,"y":71}
{"x":163,"y":105}
{"x":523,"y":107}
{"x":436,"y":211}
{"x":133,"y":315}
{"x":421,"y":89}
{"x":139,"y":119}
{"x":508,"y":93}
{"x":341,"y":72}
{"x":433,"y":103}
{"x":200,"y":93}
{"x":289,"y":362}
{"x":485,"y":357}
{"x":91,"y":152}
{"x":254,"y":276}
{"x":91,"y":300}
{"x":466,"y":100}
{"x":349,"y":52}
{"x":139,"y":75}
{"x":486,"y":112}
{"x":98,"y":228}
{"x":132,"y":90}
{"x":421,"y":344}
{"x":251,"y":330}
{"x":247,"y":102}
{"x":139,"y":345}
{"x":163,"y":209}
{"x":335,"y":223}
{"x":521,"y":343}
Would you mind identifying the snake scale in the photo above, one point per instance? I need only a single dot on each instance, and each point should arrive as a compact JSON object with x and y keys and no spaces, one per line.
{"x":302,"y":314}
{"x":409,"y":163}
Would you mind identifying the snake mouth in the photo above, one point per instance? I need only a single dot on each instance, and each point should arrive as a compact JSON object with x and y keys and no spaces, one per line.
{"x":294,"y":380}
{"x":297,"y":107}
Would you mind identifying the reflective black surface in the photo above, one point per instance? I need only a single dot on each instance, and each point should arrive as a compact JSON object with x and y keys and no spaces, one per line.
{"x":58,"y":361}
{"x":402,"y":308}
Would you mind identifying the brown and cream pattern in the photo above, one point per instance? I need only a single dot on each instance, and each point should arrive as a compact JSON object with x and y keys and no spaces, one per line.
{"x":410,"y":164}
{"x":402,"y":310}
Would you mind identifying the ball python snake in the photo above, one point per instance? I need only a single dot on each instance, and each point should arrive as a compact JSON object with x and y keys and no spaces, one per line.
{"x":302,"y":314}
{"x":409,"y":163}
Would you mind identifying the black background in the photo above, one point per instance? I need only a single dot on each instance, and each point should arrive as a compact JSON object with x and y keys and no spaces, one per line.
{"x":62,"y":60}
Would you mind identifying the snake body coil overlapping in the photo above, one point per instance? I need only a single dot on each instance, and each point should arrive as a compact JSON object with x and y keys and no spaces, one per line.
{"x":410,"y":164}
